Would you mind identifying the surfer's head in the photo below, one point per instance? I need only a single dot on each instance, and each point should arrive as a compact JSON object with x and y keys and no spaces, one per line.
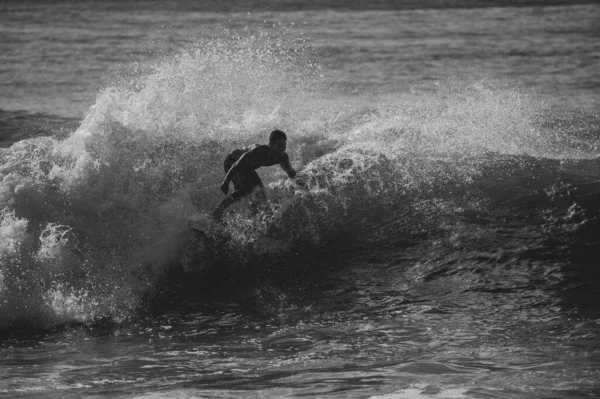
{"x":278,"y":141}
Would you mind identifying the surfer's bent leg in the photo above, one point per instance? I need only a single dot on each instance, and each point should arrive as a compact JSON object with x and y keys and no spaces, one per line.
{"x":243,"y":185}
{"x":238,"y":184}
{"x":226,"y":203}
{"x":259,"y":199}
{"x":257,"y":184}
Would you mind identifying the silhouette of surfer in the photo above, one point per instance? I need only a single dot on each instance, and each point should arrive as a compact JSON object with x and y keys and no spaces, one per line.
{"x":241,"y":164}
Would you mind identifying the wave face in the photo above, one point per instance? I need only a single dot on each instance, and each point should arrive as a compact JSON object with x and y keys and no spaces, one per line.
{"x":89,"y":222}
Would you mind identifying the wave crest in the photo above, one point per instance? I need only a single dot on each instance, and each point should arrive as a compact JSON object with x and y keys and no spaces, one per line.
{"x":94,"y":219}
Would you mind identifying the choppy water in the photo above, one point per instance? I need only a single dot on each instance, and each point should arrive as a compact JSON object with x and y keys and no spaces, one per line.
{"x":446,"y":246}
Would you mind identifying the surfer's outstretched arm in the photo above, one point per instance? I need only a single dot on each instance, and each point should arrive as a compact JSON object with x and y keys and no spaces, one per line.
{"x":285,"y":165}
{"x":291,"y":172}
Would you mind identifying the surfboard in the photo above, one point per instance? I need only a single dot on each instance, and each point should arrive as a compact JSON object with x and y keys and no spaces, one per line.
{"x":208,"y":243}
{"x":202,"y":244}
{"x":208,"y":234}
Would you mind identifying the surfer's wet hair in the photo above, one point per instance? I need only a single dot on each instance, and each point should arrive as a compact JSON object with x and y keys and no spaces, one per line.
{"x":277,"y":135}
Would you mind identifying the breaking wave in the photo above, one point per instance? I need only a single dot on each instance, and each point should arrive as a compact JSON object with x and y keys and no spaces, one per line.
{"x":89,"y":222}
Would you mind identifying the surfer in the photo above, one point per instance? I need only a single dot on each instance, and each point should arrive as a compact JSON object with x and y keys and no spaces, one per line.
{"x":241,"y":164}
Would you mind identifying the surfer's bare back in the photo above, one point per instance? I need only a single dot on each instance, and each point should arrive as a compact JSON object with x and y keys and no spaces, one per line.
{"x":241,"y":164}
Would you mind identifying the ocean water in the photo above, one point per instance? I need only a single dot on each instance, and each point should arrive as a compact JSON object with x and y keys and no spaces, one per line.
{"x":446,"y":244}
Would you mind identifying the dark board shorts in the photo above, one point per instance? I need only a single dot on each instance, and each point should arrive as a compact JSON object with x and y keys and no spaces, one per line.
{"x":243,"y":181}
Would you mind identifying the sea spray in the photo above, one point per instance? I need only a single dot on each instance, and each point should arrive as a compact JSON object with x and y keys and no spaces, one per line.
{"x":13,"y":231}
{"x":52,"y":240}
{"x":93,"y":220}
{"x":104,"y":211}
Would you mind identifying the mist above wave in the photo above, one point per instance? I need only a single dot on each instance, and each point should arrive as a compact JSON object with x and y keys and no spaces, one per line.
{"x":90,"y":221}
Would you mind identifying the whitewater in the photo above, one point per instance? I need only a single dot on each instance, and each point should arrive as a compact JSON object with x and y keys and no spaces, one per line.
{"x":445,"y":244}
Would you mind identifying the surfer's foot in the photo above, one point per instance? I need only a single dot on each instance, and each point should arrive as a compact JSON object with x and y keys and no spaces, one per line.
{"x":217,"y":217}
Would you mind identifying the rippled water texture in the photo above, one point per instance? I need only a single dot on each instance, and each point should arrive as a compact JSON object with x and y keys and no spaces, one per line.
{"x":445,"y":245}
{"x":56,"y":58}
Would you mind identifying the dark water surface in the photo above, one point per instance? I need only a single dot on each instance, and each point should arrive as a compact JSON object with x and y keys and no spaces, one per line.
{"x":446,"y":245}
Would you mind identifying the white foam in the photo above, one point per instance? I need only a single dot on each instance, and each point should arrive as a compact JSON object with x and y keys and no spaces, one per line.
{"x":418,"y":393}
